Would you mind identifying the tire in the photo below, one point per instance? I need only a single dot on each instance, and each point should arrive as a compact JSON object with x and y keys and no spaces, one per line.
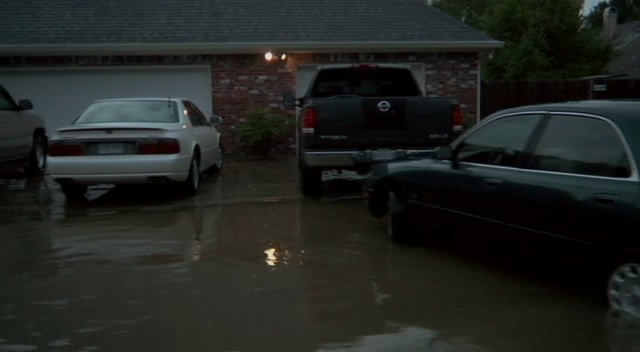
{"x":623,"y":290}
{"x":37,"y":157}
{"x":74,"y":191}
{"x":192,"y":183}
{"x":219,"y":164}
{"x":310,"y":181}
{"x":399,"y":227}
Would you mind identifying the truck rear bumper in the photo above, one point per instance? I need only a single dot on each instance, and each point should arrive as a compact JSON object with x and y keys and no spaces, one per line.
{"x":353,"y":158}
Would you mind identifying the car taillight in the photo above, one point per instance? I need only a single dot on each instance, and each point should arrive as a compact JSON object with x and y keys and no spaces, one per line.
{"x":66,"y":149}
{"x":310,"y":119}
{"x":458,"y":118}
{"x":159,"y":146}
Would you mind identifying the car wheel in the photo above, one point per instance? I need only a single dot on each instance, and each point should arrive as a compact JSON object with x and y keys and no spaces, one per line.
{"x":624,"y":289}
{"x":398,"y":223}
{"x":38,"y":157}
{"x":74,"y":191}
{"x":192,"y":183}
{"x":310,"y":181}
{"x":219,"y":164}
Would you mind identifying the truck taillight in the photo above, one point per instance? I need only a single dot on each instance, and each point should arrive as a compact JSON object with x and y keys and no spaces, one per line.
{"x":159,"y":146}
{"x":60,"y":148}
{"x":310,"y":116}
{"x":458,"y":118}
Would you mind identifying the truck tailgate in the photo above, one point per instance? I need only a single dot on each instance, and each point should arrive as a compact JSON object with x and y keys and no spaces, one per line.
{"x":398,"y":122}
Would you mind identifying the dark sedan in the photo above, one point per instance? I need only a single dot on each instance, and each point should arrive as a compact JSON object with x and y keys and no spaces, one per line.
{"x":566,"y":171}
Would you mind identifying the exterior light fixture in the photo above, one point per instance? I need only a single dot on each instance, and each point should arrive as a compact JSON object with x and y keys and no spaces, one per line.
{"x":271,"y":56}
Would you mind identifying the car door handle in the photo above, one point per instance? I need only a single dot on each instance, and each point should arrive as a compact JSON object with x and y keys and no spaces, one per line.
{"x":492,"y":182}
{"x":605,"y":198}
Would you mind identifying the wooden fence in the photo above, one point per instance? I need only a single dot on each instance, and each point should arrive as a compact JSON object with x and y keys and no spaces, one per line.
{"x":498,"y":95}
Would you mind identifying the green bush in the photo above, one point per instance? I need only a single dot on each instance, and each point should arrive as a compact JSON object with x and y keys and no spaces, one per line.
{"x":262,"y":130}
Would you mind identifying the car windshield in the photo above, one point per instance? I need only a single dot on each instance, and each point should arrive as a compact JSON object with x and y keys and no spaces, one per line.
{"x":130,"y":111}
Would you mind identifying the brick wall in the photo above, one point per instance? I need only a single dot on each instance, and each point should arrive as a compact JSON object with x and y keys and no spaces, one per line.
{"x":243,"y":82}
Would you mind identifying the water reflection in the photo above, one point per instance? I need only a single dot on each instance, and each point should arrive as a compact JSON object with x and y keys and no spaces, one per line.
{"x":271,"y":259}
{"x":283,"y":256}
{"x":406,"y":339}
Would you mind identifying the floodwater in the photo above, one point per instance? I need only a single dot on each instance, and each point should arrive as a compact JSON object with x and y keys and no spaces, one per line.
{"x":250,"y":265}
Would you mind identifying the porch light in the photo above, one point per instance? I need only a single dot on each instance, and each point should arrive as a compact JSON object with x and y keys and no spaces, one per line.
{"x":275,"y":56}
{"x":268,"y":56}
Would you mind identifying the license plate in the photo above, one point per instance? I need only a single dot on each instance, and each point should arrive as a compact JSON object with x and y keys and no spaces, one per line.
{"x":110,"y":148}
{"x":383,"y":155}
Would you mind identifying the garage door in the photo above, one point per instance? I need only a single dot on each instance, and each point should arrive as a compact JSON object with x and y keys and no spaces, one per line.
{"x":60,"y":95}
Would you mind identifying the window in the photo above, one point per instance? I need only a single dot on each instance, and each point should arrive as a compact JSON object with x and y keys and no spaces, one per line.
{"x":501,"y":142}
{"x":5,"y":102}
{"x":196,"y":116}
{"x":581,"y":145}
{"x":130,"y":111}
{"x":366,"y":82}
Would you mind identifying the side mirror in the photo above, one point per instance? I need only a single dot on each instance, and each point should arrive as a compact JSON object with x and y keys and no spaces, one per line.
{"x":25,"y":104}
{"x":288,"y":100}
{"x":299,"y":102}
{"x":443,"y":153}
{"x":216,"y":120}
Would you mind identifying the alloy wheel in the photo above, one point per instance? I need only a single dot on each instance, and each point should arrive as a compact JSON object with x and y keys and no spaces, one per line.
{"x":624,"y":289}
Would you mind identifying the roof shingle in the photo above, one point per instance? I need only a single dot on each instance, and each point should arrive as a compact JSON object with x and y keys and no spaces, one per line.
{"x":153,"y":22}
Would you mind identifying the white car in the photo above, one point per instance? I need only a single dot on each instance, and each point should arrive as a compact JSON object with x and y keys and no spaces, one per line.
{"x":133,"y":141}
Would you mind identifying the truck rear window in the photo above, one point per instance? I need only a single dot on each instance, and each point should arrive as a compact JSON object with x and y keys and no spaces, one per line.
{"x":365,"y":82}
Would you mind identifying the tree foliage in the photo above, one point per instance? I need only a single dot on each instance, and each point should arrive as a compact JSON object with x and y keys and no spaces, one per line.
{"x":467,"y":11}
{"x":628,"y":10}
{"x":544,"y":39}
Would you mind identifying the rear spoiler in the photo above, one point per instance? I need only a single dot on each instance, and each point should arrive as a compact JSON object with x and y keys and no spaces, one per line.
{"x":109,"y":129}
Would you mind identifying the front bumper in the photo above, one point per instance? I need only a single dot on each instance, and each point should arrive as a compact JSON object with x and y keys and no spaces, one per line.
{"x":353,"y":158}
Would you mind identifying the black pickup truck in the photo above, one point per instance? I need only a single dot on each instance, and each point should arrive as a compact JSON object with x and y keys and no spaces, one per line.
{"x":353,"y":116}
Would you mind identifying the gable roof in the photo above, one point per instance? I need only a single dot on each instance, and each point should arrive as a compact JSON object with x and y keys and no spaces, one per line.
{"x":231,"y":26}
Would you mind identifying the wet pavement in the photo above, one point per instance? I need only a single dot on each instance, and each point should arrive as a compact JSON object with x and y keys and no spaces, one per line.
{"x":249,"y":265}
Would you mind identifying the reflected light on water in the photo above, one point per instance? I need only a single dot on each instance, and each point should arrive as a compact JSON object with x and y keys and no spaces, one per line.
{"x":271,"y":259}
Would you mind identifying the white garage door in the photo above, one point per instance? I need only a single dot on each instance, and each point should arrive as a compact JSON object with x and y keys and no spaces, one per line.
{"x":60,"y":95}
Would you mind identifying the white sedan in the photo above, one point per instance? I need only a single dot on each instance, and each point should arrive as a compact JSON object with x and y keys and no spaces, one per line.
{"x":132,"y":141}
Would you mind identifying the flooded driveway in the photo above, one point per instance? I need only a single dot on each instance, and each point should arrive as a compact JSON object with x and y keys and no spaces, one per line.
{"x":249,"y":265}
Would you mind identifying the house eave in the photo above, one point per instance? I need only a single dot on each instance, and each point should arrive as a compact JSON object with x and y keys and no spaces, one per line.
{"x":246,"y":48}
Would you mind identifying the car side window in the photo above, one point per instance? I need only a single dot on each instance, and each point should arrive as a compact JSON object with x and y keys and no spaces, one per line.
{"x":188,"y":110}
{"x":5,"y":102}
{"x":203,"y":119}
{"x":502,"y":142}
{"x":581,"y":145}
{"x":196,"y":116}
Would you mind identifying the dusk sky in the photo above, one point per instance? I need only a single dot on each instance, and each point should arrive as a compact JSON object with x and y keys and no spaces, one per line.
{"x":588,"y":4}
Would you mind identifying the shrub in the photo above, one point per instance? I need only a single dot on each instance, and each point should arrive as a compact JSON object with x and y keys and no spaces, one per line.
{"x":262,"y":130}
